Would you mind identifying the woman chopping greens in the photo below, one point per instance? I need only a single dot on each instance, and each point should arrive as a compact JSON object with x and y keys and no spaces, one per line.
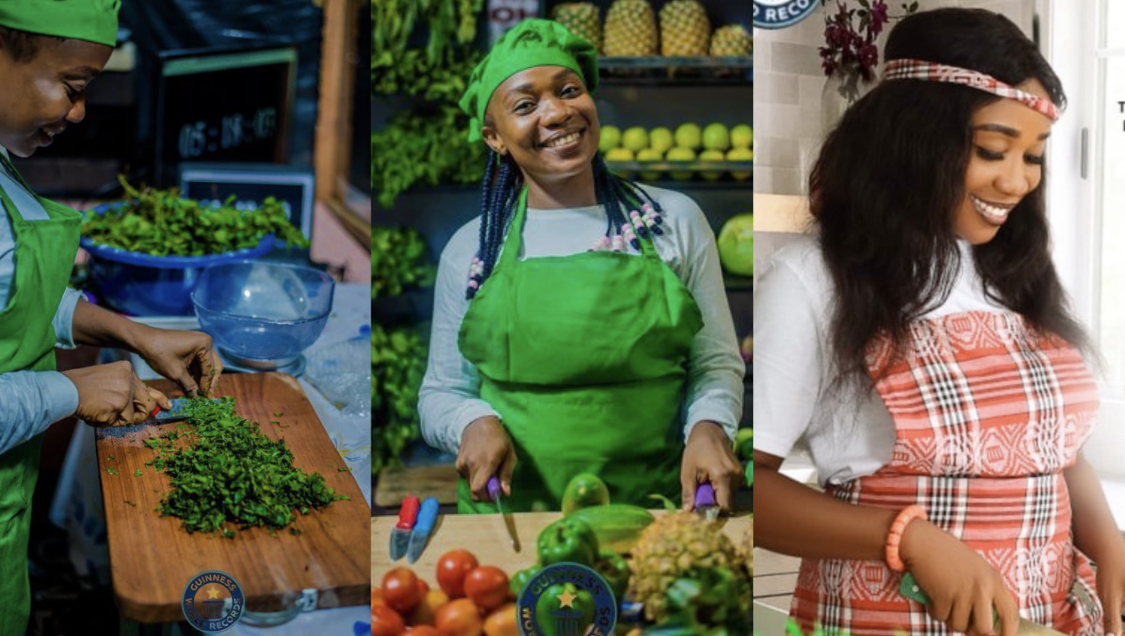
{"x":50,"y":51}
{"x":580,"y":323}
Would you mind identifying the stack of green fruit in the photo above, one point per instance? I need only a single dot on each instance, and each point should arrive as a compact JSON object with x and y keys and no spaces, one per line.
{"x":398,"y":362}
{"x":689,"y":143}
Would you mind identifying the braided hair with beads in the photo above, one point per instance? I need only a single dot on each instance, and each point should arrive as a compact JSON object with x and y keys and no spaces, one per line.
{"x":500,"y":190}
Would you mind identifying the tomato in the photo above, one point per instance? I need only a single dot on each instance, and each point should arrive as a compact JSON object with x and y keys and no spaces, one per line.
{"x":400,"y":590}
{"x":502,"y":622}
{"x":451,"y":570}
{"x":426,"y":612}
{"x":423,"y":587}
{"x":385,"y":622}
{"x":487,"y":587}
{"x":459,"y":618}
{"x":421,"y":630}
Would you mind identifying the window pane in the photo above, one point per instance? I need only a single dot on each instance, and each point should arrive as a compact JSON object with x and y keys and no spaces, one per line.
{"x":1112,"y":186}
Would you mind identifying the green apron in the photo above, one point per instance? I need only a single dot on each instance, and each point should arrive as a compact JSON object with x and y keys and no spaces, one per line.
{"x":585,"y":358}
{"x":44,"y":257}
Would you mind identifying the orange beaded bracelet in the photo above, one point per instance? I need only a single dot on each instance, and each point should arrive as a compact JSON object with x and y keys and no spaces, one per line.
{"x":894,"y":537}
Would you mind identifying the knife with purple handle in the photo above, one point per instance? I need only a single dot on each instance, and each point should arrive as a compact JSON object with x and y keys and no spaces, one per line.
{"x":705,"y":504}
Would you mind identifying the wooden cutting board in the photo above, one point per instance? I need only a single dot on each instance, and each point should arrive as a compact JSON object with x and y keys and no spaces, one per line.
{"x":486,"y":537}
{"x":152,"y":558}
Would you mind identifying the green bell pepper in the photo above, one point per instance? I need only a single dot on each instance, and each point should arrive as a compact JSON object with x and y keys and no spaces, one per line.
{"x":520,"y":579}
{"x":615,"y":570}
{"x":573,"y":613}
{"x":568,"y":540}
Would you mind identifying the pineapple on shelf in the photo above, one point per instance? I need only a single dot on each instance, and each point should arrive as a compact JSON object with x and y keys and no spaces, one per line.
{"x":630,"y":29}
{"x":731,"y":40}
{"x":685,"y":30}
{"x":582,"y":19}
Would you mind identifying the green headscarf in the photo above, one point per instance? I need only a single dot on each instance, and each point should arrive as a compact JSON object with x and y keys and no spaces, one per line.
{"x":90,"y":20}
{"x":529,"y":44}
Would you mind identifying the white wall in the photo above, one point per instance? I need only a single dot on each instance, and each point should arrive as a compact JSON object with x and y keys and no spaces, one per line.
{"x":788,"y":82}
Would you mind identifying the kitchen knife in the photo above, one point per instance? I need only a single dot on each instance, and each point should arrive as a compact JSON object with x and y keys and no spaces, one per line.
{"x":494,"y":492}
{"x":421,"y":534}
{"x":400,"y":534}
{"x":909,"y":588}
{"x":705,"y":505}
{"x":176,"y":414}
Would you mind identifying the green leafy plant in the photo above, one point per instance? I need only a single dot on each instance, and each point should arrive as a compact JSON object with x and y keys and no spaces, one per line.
{"x":398,"y":261}
{"x":713,"y":602}
{"x":429,"y":148}
{"x":162,"y":223}
{"x":225,"y":471}
{"x":439,"y":69}
{"x":398,"y":363}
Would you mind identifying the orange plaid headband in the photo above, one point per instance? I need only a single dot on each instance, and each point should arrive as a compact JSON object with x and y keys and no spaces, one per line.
{"x":934,"y":72}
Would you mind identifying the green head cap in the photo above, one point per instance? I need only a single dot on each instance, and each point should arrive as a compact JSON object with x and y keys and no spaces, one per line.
{"x":529,"y":44}
{"x":90,"y":20}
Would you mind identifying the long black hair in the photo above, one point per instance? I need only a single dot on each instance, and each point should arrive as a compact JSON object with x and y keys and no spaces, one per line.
{"x":500,"y":190}
{"x":890,"y":177}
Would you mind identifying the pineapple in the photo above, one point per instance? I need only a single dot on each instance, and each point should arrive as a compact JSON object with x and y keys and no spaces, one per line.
{"x":684,"y":29}
{"x":673,"y":546}
{"x":630,"y":29}
{"x":582,"y":19}
{"x":731,"y":40}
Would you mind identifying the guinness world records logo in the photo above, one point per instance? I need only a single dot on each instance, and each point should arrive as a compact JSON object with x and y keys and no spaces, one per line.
{"x":566,"y":599}
{"x":778,"y":14}
{"x":213,"y":601}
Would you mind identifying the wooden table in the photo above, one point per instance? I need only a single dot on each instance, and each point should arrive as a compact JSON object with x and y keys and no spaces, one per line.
{"x":152,"y":558}
{"x":486,"y":537}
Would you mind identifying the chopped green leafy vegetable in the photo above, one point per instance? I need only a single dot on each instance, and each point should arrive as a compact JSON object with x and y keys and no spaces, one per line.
{"x":229,"y":472}
{"x":111,"y":470}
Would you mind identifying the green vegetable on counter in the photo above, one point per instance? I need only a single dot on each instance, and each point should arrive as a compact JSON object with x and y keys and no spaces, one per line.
{"x":162,"y":223}
{"x":568,"y":540}
{"x":225,"y":471}
{"x":520,"y":579}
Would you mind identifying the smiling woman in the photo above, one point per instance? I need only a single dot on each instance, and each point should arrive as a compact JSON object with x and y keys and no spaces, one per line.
{"x":580,"y":324}
{"x":921,"y":346}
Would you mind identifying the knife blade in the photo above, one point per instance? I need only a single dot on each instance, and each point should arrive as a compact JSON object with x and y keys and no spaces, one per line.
{"x":421,"y":533}
{"x":494,"y":493}
{"x":909,"y":588}
{"x":705,"y":505}
{"x":400,"y":534}
{"x":176,"y":414}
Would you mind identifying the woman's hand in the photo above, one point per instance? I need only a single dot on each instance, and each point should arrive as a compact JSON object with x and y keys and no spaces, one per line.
{"x":111,"y":394}
{"x":486,"y":450}
{"x":963,"y":588}
{"x":186,"y":357}
{"x":1111,"y":592}
{"x":708,"y":456}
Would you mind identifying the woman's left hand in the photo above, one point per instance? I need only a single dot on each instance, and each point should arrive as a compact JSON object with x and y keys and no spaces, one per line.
{"x":185,"y":357}
{"x":708,"y":457}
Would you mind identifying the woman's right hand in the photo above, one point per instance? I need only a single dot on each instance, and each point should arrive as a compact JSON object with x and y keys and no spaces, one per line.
{"x":963,"y":588}
{"x":486,"y":450}
{"x":111,"y":394}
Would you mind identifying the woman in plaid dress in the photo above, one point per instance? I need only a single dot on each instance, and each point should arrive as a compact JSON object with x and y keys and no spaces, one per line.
{"x":919,"y":345}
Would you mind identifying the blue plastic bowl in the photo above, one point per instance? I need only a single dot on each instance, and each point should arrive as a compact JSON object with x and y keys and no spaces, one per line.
{"x":263,"y":313}
{"x":145,"y":285}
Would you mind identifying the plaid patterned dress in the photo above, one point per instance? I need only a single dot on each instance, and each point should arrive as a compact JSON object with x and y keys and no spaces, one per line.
{"x":987,"y":414}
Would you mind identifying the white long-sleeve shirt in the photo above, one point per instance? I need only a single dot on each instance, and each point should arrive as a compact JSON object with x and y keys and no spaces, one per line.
{"x":449,"y":399}
{"x":30,"y":401}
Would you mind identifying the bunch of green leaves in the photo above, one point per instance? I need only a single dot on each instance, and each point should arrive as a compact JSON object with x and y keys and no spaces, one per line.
{"x":439,"y":70}
{"x":398,"y":261}
{"x":162,"y":223}
{"x":398,"y":362}
{"x":714,"y":602}
{"x":224,"y":470}
{"x":423,"y":148}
